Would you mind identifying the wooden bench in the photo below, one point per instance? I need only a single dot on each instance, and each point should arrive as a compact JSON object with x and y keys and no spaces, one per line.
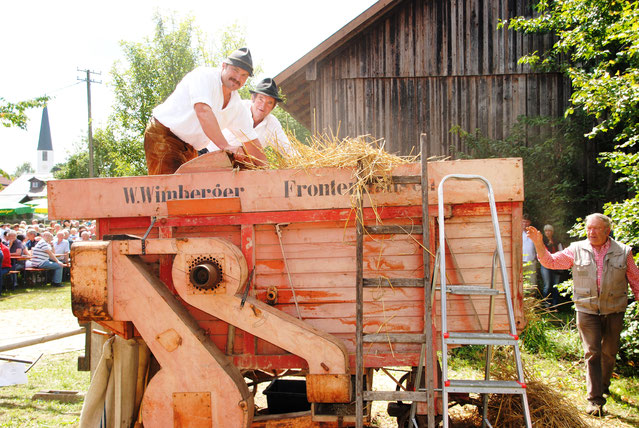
{"x":36,"y":276}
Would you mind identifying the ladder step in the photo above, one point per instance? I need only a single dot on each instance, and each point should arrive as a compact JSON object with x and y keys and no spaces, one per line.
{"x":485,"y":386}
{"x":407,"y":179}
{"x":394,"y":396}
{"x":394,"y":338}
{"x":480,"y":339}
{"x":472,"y":289}
{"x":408,"y":229}
{"x":393,"y":282}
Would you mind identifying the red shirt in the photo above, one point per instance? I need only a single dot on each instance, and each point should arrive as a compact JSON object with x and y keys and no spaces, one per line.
{"x":6,"y":261}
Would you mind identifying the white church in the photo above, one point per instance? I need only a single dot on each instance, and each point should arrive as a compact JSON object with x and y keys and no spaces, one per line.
{"x":31,"y":186}
{"x":45,"y":147}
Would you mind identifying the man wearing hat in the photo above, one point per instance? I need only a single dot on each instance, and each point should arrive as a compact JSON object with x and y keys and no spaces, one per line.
{"x":203,"y":104}
{"x":269,"y":130}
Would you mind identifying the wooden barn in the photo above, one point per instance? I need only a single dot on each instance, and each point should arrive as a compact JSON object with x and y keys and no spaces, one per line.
{"x":407,"y":67}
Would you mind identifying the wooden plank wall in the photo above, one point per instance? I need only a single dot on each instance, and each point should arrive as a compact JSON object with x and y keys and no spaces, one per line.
{"x":321,"y":261}
{"x":430,"y":65}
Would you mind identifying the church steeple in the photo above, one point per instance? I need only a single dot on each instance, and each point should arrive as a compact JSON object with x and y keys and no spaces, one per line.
{"x":45,"y":147}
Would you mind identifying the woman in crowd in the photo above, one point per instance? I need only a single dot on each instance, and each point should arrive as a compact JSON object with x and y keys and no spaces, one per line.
{"x":551,"y":277}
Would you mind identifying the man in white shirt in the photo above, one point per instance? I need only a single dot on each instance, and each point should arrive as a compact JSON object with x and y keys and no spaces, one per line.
{"x":203,"y":103}
{"x":269,"y":130}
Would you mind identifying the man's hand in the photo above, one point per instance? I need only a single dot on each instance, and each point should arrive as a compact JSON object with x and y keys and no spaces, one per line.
{"x":537,"y":238}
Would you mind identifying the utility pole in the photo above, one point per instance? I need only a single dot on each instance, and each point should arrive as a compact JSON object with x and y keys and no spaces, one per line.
{"x":88,"y":80}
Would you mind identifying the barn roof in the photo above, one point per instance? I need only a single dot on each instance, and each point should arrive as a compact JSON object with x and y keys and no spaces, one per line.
{"x":293,"y":80}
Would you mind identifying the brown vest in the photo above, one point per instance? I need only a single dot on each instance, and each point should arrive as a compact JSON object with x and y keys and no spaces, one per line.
{"x":613,"y":296}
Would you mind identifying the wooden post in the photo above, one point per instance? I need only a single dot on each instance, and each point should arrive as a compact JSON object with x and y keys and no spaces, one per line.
{"x":359,"y":314}
{"x":428,"y":307}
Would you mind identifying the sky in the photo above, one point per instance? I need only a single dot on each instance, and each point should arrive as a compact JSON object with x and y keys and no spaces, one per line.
{"x":45,"y":42}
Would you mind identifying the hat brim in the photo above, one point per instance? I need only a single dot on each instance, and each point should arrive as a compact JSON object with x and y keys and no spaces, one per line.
{"x":277,"y":98}
{"x":244,"y":66}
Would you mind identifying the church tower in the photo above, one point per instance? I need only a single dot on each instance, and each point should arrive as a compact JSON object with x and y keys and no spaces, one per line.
{"x":45,"y":147}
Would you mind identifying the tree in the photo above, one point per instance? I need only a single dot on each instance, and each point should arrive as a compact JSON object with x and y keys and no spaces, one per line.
{"x":598,"y":48}
{"x":25,"y":168}
{"x":147,"y":75}
{"x":14,"y":114}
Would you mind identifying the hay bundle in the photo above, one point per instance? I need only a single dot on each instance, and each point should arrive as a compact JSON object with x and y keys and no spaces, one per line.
{"x":371,"y":164}
{"x":548,"y":407}
{"x":325,"y":151}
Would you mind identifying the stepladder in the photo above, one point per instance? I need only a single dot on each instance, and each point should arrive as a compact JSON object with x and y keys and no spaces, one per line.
{"x":424,"y":372}
{"x":487,"y":338}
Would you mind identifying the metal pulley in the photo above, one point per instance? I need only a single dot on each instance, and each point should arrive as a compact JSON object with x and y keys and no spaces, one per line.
{"x":206,"y":275}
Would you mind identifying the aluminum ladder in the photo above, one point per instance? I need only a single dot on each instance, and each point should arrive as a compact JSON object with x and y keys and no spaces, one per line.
{"x":489,"y":339}
{"x":426,"y":338}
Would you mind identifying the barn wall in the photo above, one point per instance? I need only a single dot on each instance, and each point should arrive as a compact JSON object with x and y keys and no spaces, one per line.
{"x":427,"y":66}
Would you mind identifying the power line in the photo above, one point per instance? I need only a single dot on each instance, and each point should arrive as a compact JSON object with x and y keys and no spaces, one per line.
{"x":89,"y":81}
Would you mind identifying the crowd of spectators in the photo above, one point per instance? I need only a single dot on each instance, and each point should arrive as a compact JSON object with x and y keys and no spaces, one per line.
{"x":43,"y":245}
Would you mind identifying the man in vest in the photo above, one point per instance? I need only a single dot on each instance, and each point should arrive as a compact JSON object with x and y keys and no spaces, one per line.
{"x":602,"y":268}
{"x":203,"y":104}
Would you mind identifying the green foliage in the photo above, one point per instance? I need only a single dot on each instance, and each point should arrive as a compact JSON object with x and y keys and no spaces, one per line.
{"x":291,"y":125}
{"x":14,"y":114}
{"x":151,"y":71}
{"x":148,"y":74}
{"x":551,"y":150}
{"x":629,"y":349}
{"x":25,"y":168}
{"x":598,"y":48}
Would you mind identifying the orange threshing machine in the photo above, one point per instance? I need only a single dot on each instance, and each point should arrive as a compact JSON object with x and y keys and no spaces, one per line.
{"x":229,"y":274}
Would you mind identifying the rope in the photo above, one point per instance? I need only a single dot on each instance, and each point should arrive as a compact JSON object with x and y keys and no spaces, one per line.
{"x":288,"y":272}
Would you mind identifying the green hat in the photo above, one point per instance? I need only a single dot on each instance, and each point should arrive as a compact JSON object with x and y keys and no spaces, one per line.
{"x":241,"y":58}
{"x":267,"y":87}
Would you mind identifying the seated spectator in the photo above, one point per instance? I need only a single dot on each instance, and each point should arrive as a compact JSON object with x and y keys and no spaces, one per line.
{"x":61,"y":247}
{"x":31,"y":239}
{"x":35,"y":222}
{"x":85,"y":235}
{"x":5,"y":265}
{"x":67,"y":236}
{"x":73,"y":234}
{"x":44,"y":258}
{"x":16,"y":249}
{"x":4,"y":238}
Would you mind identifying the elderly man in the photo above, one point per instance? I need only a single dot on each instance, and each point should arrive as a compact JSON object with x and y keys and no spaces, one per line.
{"x":43,"y":257}
{"x":602,"y":268}
{"x":269,"y":130}
{"x":61,"y":247}
{"x":203,"y":104}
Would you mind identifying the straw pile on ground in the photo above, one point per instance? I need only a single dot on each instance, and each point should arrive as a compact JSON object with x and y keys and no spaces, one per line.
{"x":548,"y":407}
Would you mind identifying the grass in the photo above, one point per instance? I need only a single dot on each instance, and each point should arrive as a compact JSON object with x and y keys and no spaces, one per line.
{"x":36,"y":298}
{"x":557,"y":361}
{"x":51,"y":372}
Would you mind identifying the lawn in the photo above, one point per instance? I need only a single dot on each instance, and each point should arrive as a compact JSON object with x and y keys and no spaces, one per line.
{"x":551,"y":353}
{"x":51,"y":372}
